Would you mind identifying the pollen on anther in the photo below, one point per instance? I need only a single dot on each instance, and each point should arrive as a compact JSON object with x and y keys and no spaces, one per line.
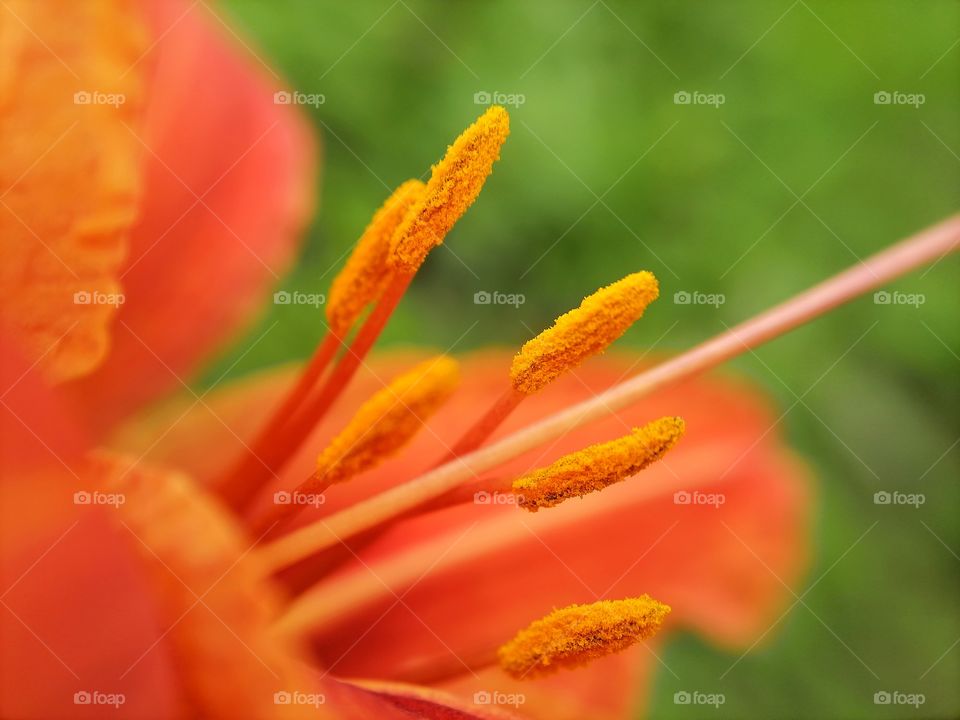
{"x":597,"y":466}
{"x":583,"y":332}
{"x":453,"y":186}
{"x":388,"y":420}
{"x":575,"y":635}
{"x":367,"y":270}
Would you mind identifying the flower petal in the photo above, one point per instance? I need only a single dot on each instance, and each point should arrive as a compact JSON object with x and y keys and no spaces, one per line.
{"x":228,"y":188}
{"x":221,"y":609}
{"x":69,"y":176}
{"x":610,"y":689}
{"x":421,"y":702}
{"x":77,"y":611}
{"x":720,"y":568}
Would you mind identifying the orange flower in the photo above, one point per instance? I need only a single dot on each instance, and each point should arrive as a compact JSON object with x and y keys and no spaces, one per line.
{"x":130,"y":578}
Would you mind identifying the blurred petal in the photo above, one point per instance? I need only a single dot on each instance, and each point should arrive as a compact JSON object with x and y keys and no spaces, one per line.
{"x":723,"y":569}
{"x":77,"y":612}
{"x":608,"y":689}
{"x":221,"y":610}
{"x":419,"y":702}
{"x":69,"y":176}
{"x":719,"y":568}
{"x":228,"y":189}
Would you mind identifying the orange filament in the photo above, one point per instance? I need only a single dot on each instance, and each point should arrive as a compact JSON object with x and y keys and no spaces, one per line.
{"x":573,"y":636}
{"x":486,"y":425}
{"x":583,"y":332}
{"x":243,"y":480}
{"x":313,"y":409}
{"x":366,"y":272}
{"x":389,"y":420}
{"x":597,"y":466}
{"x":453,"y":186}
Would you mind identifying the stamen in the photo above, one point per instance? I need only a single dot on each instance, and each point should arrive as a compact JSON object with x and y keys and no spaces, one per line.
{"x":454,"y":185}
{"x":597,"y":466}
{"x":366,"y":272}
{"x":382,"y":426}
{"x":389,"y":420}
{"x":363,"y":280}
{"x":583,"y":332}
{"x":574,"y":636}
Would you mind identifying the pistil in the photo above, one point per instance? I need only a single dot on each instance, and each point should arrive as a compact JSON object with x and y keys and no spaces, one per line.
{"x":928,"y":246}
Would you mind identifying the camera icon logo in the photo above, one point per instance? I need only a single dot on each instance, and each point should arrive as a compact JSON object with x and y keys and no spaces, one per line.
{"x":282,"y":497}
{"x":482,"y":98}
{"x":682,"y":97}
{"x":282,"y":97}
{"x":81,"y":497}
{"x":681,"y":297}
{"x":82,"y":698}
{"x":681,"y":497}
{"x":481,"y":697}
{"x":681,"y":697}
{"x":482,"y":298}
{"x":882,"y":98}
{"x":882,"y":498}
{"x":881,"y":297}
{"x":282,"y":697}
{"x":881,"y":698}
{"x":82,"y":97}
{"x":481,"y":497}
{"x":281,"y":297}
{"x":82,"y":297}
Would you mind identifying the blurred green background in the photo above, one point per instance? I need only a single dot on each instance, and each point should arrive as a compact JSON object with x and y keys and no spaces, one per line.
{"x":796,"y":175}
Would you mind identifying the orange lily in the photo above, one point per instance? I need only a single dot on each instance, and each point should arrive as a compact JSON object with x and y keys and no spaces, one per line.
{"x":129,"y":583}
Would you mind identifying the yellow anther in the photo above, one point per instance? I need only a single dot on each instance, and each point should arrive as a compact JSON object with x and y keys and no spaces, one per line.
{"x":583,"y":332}
{"x":597,"y":466}
{"x":575,"y":635}
{"x":366,"y":272}
{"x":388,"y":420}
{"x":453,"y":186}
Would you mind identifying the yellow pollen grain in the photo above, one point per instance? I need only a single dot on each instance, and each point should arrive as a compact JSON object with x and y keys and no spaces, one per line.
{"x":367,"y":271}
{"x":453,"y":186}
{"x":581,"y":333}
{"x":576,"y":635}
{"x":597,"y":466}
{"x":388,"y":420}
